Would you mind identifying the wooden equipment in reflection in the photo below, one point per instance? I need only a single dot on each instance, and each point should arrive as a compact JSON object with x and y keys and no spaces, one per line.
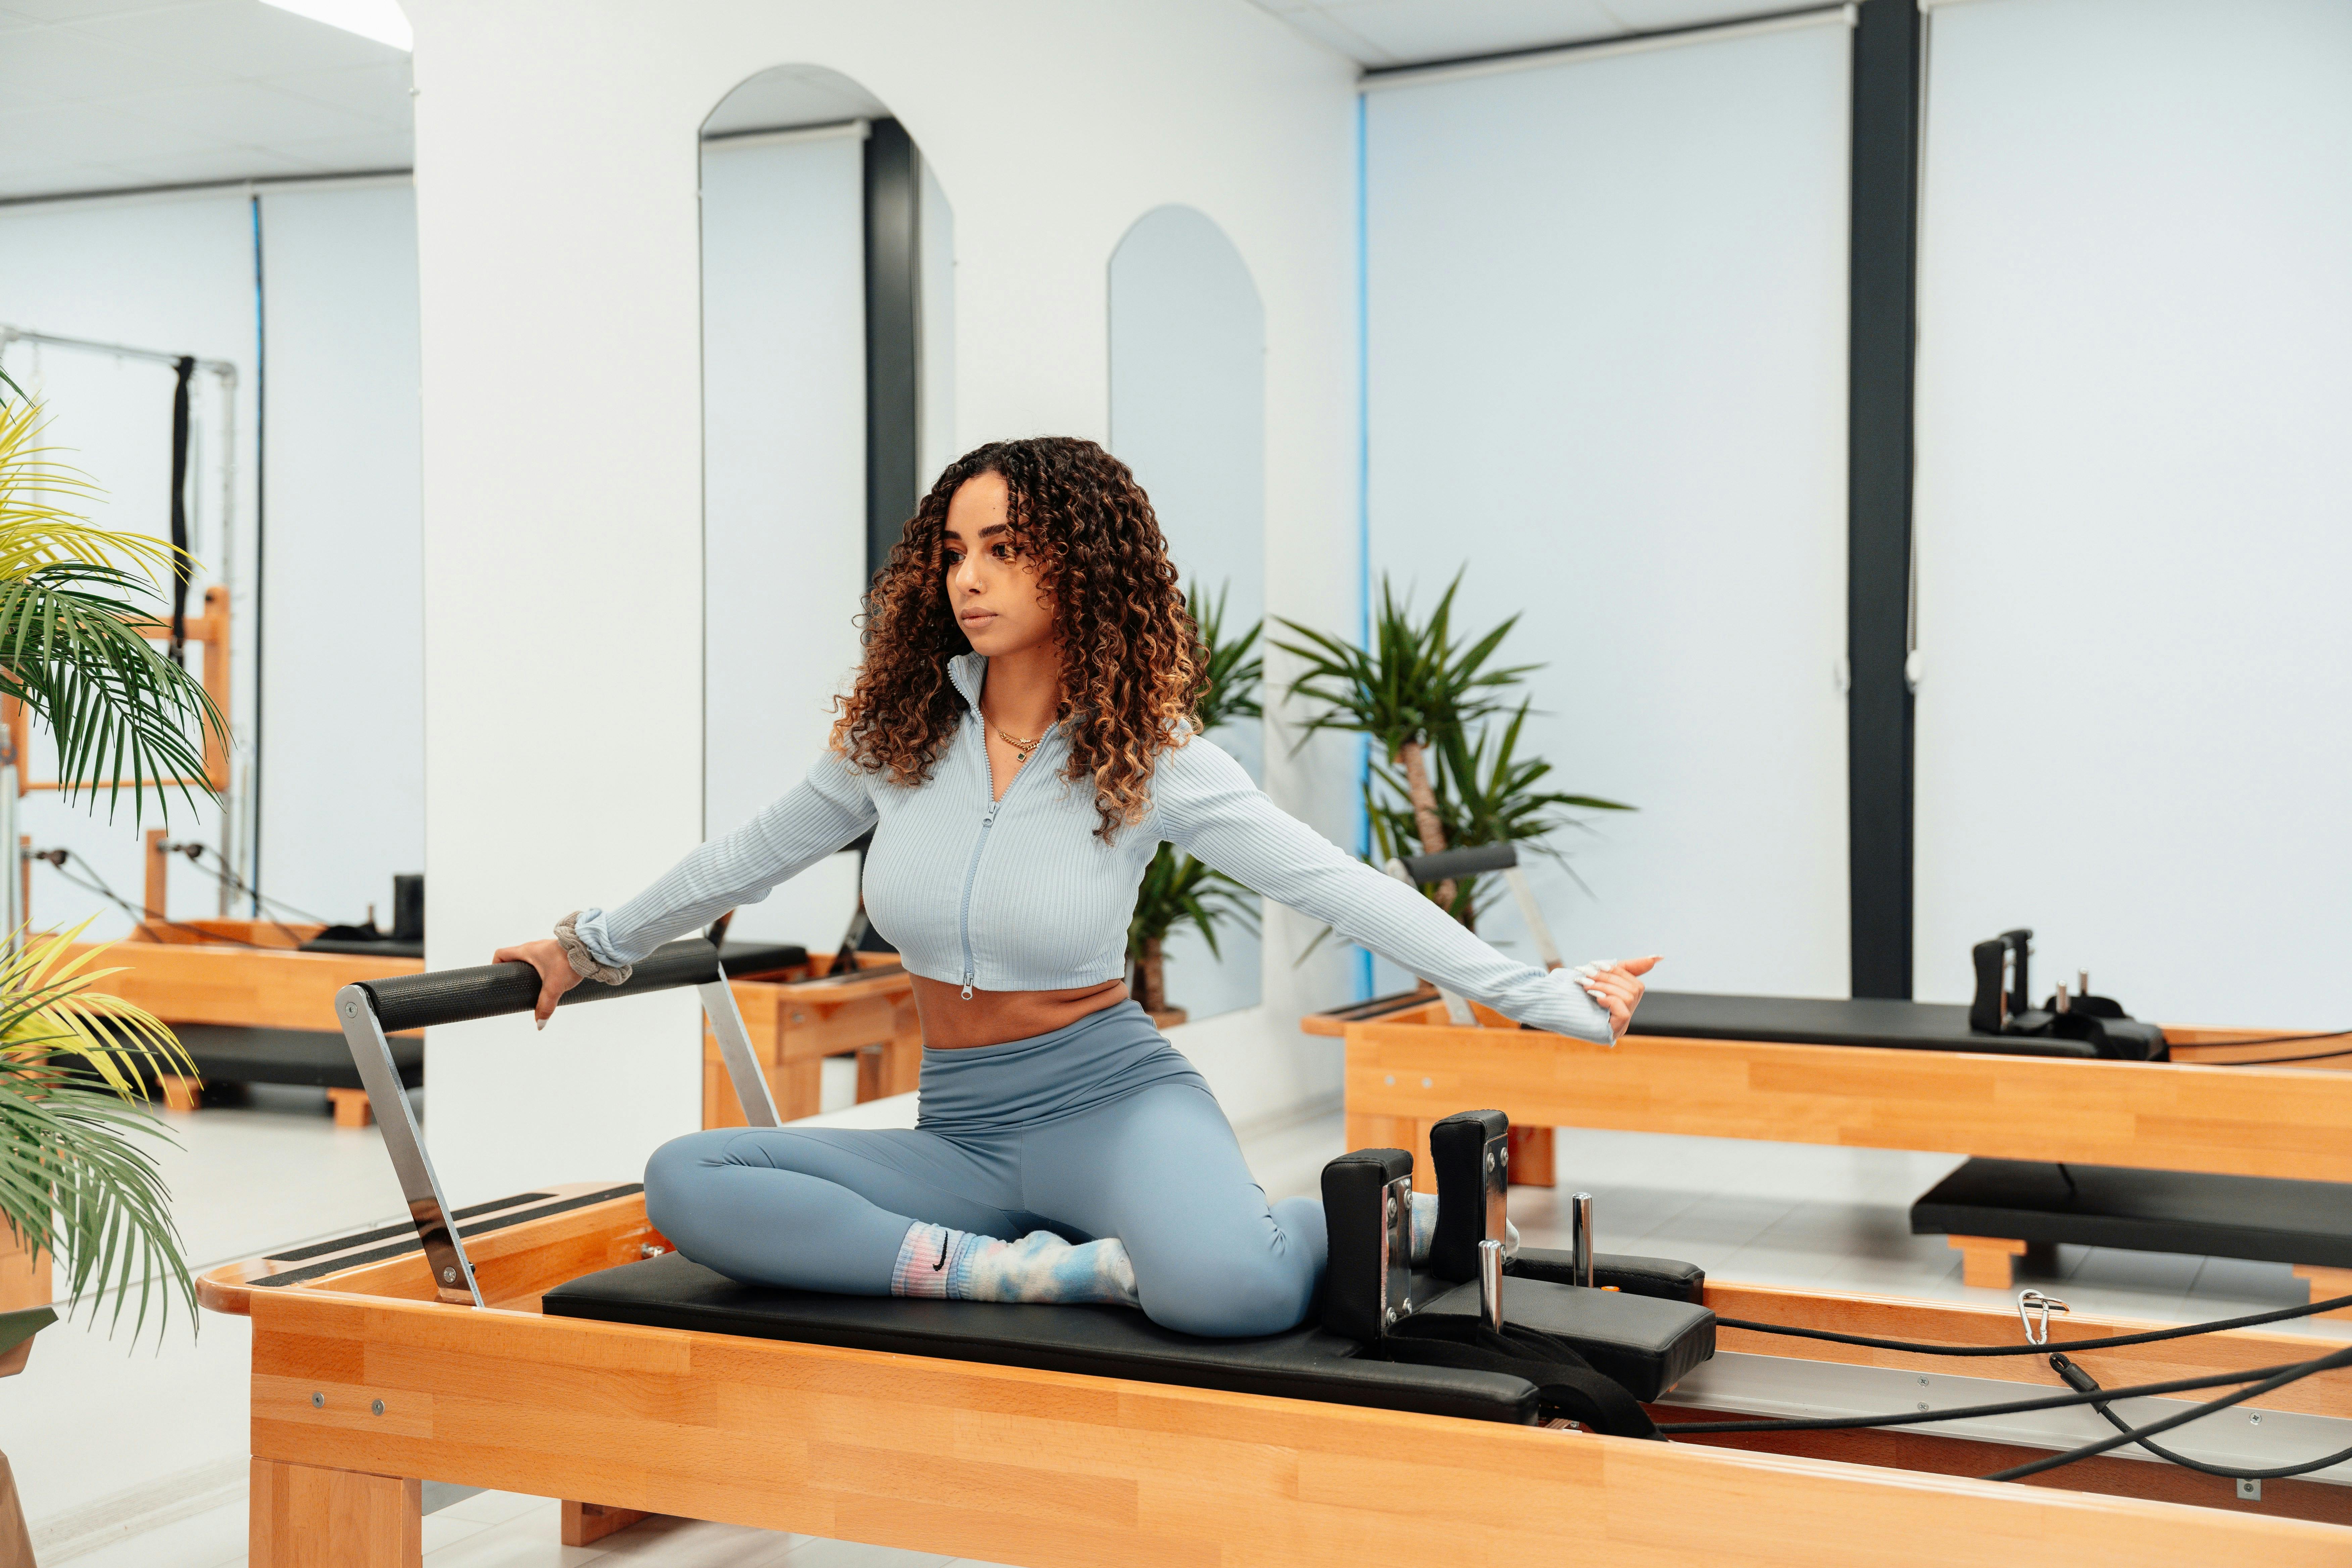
{"x":209,"y":631}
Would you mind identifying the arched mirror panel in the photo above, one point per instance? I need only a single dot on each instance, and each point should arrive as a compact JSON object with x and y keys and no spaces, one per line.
{"x":1188,"y":414}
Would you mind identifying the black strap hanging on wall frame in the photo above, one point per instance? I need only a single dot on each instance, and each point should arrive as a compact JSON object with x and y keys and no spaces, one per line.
{"x":184,"y":368}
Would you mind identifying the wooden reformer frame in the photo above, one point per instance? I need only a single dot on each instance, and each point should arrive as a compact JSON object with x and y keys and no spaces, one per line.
{"x":377,"y":1367}
{"x":1407,"y":1067}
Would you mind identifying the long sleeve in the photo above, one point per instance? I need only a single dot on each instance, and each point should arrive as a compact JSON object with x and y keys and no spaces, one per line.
{"x":817,"y":818}
{"x":1208,"y":806}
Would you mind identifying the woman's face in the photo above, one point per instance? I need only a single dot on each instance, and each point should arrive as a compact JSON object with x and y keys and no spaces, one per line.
{"x":992,"y":586}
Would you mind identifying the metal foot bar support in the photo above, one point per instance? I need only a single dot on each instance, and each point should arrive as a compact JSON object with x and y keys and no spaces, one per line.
{"x":372,"y":1009}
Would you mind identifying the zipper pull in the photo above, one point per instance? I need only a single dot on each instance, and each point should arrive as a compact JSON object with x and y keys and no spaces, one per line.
{"x":967,"y":985}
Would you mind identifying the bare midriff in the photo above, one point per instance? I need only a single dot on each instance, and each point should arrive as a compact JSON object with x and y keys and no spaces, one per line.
{"x":991,"y":1017}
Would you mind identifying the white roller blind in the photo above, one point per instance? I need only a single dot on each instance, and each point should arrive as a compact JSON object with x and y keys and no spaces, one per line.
{"x":2132,"y":500}
{"x":784,"y":314}
{"x":1607,"y":360}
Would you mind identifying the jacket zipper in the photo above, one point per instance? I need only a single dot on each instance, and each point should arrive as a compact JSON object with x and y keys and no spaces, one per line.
{"x":971,"y":871}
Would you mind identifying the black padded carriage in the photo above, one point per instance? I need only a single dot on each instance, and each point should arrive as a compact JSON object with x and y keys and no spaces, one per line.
{"x":1654,"y":1344}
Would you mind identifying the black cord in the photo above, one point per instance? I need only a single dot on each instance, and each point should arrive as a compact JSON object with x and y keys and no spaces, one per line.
{"x":2274,"y":1062}
{"x":2113,"y":1342}
{"x":229,"y":874}
{"x":2082,"y":1381}
{"x":1972,"y":1411}
{"x":2140,"y":1433}
{"x":139,"y":914}
{"x":2260,"y":1040}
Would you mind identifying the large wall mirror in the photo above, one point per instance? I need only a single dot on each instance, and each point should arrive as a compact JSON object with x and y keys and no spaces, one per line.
{"x":1188,"y":414}
{"x":827,"y":313}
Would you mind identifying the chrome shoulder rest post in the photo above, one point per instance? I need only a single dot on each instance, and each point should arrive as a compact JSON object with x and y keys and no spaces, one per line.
{"x":428,"y":1210}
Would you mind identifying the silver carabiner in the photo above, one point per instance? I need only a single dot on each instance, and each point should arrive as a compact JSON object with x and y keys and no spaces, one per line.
{"x":2029,"y":1302}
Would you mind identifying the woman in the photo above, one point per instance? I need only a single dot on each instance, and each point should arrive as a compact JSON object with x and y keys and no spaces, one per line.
{"x":1019,"y":743}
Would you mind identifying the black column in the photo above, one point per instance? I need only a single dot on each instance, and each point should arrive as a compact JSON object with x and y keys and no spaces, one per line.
{"x":1881,"y":342}
{"x":891,"y":304}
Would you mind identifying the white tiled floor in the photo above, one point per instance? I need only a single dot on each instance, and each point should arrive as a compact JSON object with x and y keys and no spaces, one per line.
{"x":107,"y":1440}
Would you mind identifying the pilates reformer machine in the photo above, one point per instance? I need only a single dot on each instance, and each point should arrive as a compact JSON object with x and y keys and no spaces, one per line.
{"x":553,"y":1343}
{"x":2197,"y":1146}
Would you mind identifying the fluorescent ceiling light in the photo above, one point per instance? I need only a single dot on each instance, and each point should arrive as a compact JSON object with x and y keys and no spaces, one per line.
{"x":381,"y":20}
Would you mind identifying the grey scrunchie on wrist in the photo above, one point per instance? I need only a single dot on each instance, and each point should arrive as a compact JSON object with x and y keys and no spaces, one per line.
{"x":584,"y":962}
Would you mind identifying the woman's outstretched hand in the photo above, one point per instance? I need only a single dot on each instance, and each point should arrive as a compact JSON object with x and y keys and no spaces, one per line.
{"x":555,"y":973}
{"x":1616,"y":985}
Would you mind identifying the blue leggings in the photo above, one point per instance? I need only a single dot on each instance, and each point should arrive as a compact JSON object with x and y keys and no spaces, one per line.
{"x":1099,"y":1129}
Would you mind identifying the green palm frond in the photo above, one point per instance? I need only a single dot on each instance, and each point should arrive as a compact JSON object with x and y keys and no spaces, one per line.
{"x":123,"y":713}
{"x":72,"y":612}
{"x":73,"y":1181}
{"x":1229,"y":686}
{"x":1412,"y":684}
{"x":1486,"y":794}
{"x":76,"y":1182}
{"x":37,"y":525}
{"x":1179,"y":890}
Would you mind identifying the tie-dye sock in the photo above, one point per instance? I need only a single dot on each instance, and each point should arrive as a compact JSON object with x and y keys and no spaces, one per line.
{"x":1425,"y":1228}
{"x":958,"y":1265}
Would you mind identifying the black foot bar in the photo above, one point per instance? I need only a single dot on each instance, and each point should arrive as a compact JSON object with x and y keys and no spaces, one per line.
{"x":370,"y":1009}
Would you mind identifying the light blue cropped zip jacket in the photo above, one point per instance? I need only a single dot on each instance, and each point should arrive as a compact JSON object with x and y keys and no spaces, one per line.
{"x":1018,"y":894}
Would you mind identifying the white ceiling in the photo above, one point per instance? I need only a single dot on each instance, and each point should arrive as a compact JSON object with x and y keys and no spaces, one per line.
{"x":109,"y":94}
{"x":114,"y":94}
{"x":1378,"y":33}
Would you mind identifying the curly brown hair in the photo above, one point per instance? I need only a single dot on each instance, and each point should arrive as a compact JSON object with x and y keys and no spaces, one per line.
{"x":1132,"y":661}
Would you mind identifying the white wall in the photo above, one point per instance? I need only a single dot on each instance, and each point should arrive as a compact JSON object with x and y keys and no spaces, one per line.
{"x":783,"y":386}
{"x":556,"y":155}
{"x":342,"y":733}
{"x":175,"y":274}
{"x":1188,"y":414}
{"x":2132,"y":473}
{"x":1606,"y":324}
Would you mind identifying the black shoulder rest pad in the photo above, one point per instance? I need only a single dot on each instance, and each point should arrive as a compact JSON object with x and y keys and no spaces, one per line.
{"x":1645,"y":1344}
{"x":1456,"y":1146}
{"x":1663,"y":1278}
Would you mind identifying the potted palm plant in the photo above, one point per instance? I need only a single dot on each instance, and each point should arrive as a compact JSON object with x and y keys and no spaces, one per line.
{"x":1448,"y":773}
{"x":77,"y":1181}
{"x":1179,"y":890}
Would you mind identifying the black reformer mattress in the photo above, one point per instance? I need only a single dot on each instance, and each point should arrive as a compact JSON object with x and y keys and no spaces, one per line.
{"x":1795,"y":1021}
{"x":1833,"y":1021}
{"x":2263,"y":1218}
{"x":1664,"y":1341}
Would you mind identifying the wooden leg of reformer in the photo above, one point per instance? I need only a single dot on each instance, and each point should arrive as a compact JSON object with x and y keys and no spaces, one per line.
{"x":799,"y":1089}
{"x":585,"y":1523}
{"x":350,"y":1107}
{"x":305,"y":1517}
{"x":1531,"y":1157}
{"x":2326,"y":1284}
{"x":180,"y":1093}
{"x":1986,"y":1262}
{"x":869,"y":1073}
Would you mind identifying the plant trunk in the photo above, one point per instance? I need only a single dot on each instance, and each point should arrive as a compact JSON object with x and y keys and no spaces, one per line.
{"x":1413,"y":758}
{"x":1151,"y":977}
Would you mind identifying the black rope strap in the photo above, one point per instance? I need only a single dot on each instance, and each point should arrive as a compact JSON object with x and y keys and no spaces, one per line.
{"x":2113,"y":1342}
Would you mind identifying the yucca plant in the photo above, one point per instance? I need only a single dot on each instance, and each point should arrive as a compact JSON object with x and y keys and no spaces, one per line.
{"x":1178,"y":890}
{"x":1415,"y":685}
{"x":1485,"y":794}
{"x":76,"y":1180}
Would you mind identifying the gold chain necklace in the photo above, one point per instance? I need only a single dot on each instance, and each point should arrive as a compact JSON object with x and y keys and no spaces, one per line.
{"x":1021,"y":748}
